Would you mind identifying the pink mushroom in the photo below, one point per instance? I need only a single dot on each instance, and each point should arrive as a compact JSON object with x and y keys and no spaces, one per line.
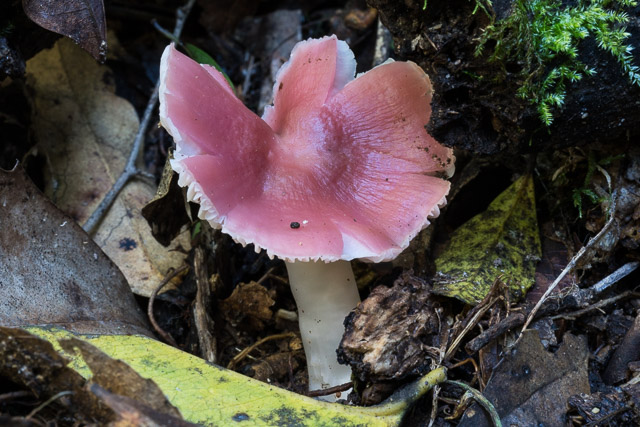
{"x":337,"y":169}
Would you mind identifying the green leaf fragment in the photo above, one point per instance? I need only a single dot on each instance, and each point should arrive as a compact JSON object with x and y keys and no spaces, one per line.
{"x":202,"y":57}
{"x":501,"y":242}
{"x":209,"y":395}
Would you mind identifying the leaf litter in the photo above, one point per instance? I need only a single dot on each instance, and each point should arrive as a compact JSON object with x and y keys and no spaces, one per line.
{"x":86,"y":132}
{"x":597,"y":301}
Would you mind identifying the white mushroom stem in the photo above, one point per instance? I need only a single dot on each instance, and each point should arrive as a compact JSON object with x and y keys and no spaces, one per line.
{"x":325,"y":293}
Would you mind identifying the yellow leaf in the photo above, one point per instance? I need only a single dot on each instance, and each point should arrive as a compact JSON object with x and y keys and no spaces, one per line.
{"x":86,"y":133}
{"x":501,"y":242}
{"x":209,"y":395}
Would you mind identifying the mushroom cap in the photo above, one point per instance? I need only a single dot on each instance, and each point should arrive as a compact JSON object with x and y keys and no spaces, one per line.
{"x":338,"y":168}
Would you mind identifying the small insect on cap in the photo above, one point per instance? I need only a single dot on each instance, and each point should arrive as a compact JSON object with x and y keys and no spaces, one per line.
{"x":338,"y":168}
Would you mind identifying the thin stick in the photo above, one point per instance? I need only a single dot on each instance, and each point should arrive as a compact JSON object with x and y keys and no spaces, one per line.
{"x":15,"y":395}
{"x":258,"y":343}
{"x":473,"y":317}
{"x":472,"y":323}
{"x":616,"y":276}
{"x":48,"y":402}
{"x":434,"y":405}
{"x":331,"y":390}
{"x":168,"y":338}
{"x":574,"y":315}
{"x":572,"y":264}
{"x":130,"y":170}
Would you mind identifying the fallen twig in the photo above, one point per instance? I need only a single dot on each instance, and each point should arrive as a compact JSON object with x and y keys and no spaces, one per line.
{"x":494,"y":332}
{"x":131,"y":170}
{"x":238,"y":357}
{"x":574,"y":315}
{"x":47,"y":403}
{"x":616,"y":276}
{"x":572,"y":264}
{"x":331,"y":390}
{"x":203,"y":322}
{"x":584,"y":299}
{"x":383,"y":44}
{"x":168,"y":338}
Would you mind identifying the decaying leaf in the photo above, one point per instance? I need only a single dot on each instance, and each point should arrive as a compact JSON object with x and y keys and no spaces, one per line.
{"x":250,"y":301}
{"x":51,"y":272}
{"x":119,"y":377}
{"x":168,"y":198}
{"x":531,"y":386}
{"x":81,"y":20}
{"x":502,"y":242}
{"x":131,"y":412}
{"x":35,"y":364}
{"x":209,"y":395}
{"x":86,"y":133}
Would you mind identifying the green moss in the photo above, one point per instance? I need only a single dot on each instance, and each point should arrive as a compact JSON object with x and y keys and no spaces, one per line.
{"x":542,"y":37}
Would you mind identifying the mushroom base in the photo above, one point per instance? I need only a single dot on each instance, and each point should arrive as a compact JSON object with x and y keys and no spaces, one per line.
{"x":325,"y":293}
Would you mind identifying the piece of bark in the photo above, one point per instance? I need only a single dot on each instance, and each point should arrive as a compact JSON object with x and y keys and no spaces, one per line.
{"x":613,"y":408}
{"x":281,"y":31}
{"x":473,"y":110}
{"x":391,"y":334}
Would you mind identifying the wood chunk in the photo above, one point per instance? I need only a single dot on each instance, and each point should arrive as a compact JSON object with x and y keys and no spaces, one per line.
{"x":391,"y":334}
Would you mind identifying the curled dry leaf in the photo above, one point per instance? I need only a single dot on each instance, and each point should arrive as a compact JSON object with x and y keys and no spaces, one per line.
{"x":86,"y":133}
{"x":52,"y":273}
{"x":83,"y":21}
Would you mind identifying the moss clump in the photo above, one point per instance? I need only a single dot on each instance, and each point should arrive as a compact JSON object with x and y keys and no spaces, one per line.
{"x":542,"y":37}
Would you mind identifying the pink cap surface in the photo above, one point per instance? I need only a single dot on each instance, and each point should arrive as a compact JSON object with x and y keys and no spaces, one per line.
{"x":348,"y":160}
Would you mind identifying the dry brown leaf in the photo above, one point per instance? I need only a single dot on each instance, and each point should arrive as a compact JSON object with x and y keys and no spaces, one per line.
{"x":51,"y":273}
{"x":81,"y":20}
{"x":119,"y":377}
{"x":250,"y":301}
{"x":531,"y":386}
{"x":34,"y":364}
{"x":86,"y":133}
